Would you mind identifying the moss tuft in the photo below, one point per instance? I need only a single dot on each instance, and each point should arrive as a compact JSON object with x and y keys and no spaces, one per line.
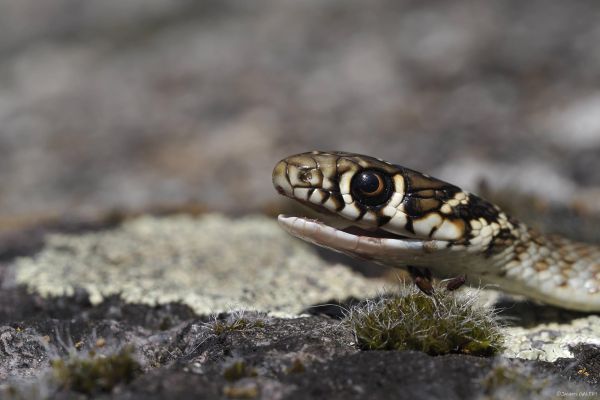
{"x":220,"y":327}
{"x":248,"y":390}
{"x":238,"y":370}
{"x":297,"y":367}
{"x":96,"y":373}
{"x":445,"y":322}
{"x":235,"y":322}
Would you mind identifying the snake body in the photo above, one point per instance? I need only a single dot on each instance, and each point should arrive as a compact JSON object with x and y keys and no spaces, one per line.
{"x":372,"y":209}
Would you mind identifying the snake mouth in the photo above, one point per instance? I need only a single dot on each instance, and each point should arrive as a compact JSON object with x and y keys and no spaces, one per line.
{"x":352,"y":240}
{"x":327,"y":216}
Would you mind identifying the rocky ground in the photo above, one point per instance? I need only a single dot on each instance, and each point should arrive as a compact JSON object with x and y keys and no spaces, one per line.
{"x":185,"y":307}
{"x":136,"y":209}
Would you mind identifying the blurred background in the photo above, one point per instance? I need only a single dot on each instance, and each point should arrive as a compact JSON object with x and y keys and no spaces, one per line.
{"x":129,"y":105}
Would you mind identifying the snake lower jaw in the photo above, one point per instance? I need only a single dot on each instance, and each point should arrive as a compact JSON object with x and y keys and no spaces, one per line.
{"x":354,"y":241}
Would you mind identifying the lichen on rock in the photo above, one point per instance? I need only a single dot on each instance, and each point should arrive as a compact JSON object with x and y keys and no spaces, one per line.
{"x":211,"y":263}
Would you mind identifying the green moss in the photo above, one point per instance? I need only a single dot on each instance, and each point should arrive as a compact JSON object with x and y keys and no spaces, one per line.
{"x":446,"y":322}
{"x":237,"y":371}
{"x":297,"y":367}
{"x":234,"y":323}
{"x":246,"y":391}
{"x":220,"y":327}
{"x":96,"y":373}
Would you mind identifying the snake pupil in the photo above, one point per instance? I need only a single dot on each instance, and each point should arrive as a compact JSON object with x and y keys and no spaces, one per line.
{"x":369,"y":183}
{"x":371,"y":188}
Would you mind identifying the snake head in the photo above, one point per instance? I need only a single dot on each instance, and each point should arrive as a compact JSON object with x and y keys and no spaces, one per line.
{"x":386,"y":210}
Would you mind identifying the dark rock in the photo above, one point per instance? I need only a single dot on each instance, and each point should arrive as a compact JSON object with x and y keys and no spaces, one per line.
{"x":248,"y":354}
{"x":585,"y":366}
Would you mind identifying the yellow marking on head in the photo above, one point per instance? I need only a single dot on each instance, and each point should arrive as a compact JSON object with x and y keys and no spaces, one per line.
{"x":450,"y":230}
{"x":395,"y":200}
{"x":345,"y":180}
{"x":389,"y":211}
{"x":351,"y":211}
{"x":399,"y":184}
{"x":370,"y":217}
{"x":423,"y":226}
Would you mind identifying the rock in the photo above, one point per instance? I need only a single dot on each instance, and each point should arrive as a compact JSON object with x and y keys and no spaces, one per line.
{"x":129,"y":105}
{"x":301,"y":358}
{"x":211,"y":264}
{"x":155,"y":285}
{"x":552,"y":341}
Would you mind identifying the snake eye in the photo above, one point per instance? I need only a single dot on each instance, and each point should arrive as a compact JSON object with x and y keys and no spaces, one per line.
{"x":371,"y":188}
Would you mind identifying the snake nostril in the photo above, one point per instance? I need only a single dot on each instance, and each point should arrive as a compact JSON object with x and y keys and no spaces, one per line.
{"x":279,"y":189}
{"x":305,"y":176}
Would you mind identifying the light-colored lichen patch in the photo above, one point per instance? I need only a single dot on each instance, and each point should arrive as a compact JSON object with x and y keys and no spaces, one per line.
{"x":543,"y":341}
{"x":211,"y":263}
{"x":551,"y":341}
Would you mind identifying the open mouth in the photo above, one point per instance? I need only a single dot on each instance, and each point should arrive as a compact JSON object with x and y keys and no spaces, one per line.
{"x":354,"y":230}
{"x":352,"y":240}
{"x":377,"y":233}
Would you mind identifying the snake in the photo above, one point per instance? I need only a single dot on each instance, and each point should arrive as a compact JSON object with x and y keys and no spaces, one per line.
{"x":372,"y":209}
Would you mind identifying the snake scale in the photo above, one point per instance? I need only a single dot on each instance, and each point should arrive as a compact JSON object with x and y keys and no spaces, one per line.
{"x":375,"y":210}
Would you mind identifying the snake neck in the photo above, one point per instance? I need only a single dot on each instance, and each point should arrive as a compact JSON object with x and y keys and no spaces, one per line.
{"x":548,"y":268}
{"x":537,"y":258}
